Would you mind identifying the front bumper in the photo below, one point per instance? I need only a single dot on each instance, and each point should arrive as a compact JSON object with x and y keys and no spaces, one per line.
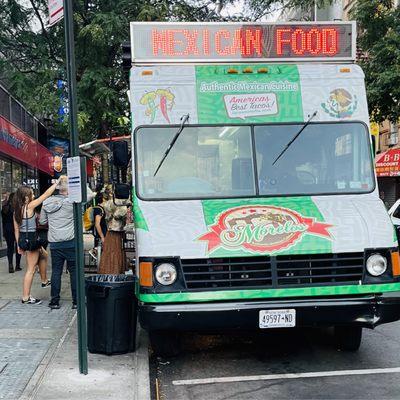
{"x":367,"y":311}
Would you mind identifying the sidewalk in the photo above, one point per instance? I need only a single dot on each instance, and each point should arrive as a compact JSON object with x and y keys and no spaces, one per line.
{"x":120,"y":377}
{"x":39,"y":356}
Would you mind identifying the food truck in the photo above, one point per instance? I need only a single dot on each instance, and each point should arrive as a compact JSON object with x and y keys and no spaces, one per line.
{"x":255,"y":197}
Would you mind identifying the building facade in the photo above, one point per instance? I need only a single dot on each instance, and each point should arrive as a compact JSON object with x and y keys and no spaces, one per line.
{"x":24,"y":158}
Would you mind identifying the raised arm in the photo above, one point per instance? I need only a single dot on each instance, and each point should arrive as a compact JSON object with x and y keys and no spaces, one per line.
{"x":37,"y":202}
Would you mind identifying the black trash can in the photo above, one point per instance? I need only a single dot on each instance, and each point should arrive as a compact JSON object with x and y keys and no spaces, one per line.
{"x":111,"y":313}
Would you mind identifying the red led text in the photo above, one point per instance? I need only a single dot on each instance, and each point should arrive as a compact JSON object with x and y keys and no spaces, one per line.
{"x":185,"y":42}
{"x":299,"y":42}
{"x":246,"y":42}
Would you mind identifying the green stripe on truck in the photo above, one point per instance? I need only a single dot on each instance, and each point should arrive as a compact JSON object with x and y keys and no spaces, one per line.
{"x":267,"y":293}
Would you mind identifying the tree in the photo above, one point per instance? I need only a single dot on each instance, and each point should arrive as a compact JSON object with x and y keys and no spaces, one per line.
{"x":258,"y":9}
{"x":32,"y":55}
{"x":378,"y":23}
{"x":379,"y":42}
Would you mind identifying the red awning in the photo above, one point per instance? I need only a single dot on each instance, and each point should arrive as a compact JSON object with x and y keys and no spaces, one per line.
{"x":17,"y":144}
{"x":388,"y":163}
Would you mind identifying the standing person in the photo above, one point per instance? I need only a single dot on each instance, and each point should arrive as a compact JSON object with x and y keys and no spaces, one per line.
{"x":58,"y":213}
{"x":7,"y":213}
{"x":100,"y":224}
{"x":113,"y":259}
{"x":26,"y":235}
{"x":42,"y":230}
{"x":43,"y":257}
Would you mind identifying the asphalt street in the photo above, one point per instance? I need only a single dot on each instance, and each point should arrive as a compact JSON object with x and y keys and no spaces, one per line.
{"x":289,"y":364}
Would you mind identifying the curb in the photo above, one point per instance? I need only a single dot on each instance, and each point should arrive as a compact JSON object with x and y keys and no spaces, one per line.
{"x":142,"y":381}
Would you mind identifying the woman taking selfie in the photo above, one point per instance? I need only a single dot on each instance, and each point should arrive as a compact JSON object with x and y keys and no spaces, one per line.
{"x":26,"y":235}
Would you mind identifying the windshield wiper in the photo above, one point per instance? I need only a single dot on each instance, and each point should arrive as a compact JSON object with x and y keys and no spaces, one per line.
{"x":294,"y":138}
{"x":184,"y":119}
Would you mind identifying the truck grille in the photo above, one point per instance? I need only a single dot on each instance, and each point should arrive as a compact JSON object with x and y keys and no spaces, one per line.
{"x":227,"y":272}
{"x":321,"y":268}
{"x":273,"y":272}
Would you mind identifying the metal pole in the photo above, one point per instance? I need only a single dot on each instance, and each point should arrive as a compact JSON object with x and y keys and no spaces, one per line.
{"x":315,"y":10}
{"x":73,"y":126}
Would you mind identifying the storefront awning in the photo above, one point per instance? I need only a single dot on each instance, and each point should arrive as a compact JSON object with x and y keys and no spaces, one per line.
{"x":17,"y":144}
{"x":100,"y":146}
{"x":388,"y":163}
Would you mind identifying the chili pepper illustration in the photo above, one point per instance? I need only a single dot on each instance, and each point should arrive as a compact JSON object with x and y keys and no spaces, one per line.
{"x":166,"y":102}
{"x":163,"y":107}
{"x":148,"y":99}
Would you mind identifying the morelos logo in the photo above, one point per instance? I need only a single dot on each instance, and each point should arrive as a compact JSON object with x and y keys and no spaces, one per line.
{"x":261,"y":229}
{"x":341,"y":104}
{"x":162,"y":99}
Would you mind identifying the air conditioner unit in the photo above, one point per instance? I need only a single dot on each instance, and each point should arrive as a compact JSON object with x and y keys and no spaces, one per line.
{"x":393,"y":139}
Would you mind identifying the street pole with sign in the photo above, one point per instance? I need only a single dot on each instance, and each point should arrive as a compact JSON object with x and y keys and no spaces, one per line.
{"x":73,"y":126}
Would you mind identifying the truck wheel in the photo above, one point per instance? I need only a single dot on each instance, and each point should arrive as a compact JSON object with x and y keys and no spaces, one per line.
{"x":165,"y":343}
{"x":348,"y":338}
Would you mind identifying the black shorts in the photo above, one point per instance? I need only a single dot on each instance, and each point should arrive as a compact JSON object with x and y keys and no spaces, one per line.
{"x":28,"y":241}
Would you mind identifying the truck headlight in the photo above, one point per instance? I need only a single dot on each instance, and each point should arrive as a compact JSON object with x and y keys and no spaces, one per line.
{"x":376,"y":265}
{"x":165,"y":274}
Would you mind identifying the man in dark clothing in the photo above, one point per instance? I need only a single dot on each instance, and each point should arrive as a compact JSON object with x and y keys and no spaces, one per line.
{"x":7,"y":214}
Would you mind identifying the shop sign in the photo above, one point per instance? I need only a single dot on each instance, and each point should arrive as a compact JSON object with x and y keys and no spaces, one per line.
{"x":374,"y":129}
{"x":59,"y":148}
{"x":388,"y":163}
{"x":18,"y":145}
{"x":56,"y":11}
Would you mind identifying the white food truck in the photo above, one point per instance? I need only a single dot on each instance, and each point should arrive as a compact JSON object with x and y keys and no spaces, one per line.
{"x":255,"y":197}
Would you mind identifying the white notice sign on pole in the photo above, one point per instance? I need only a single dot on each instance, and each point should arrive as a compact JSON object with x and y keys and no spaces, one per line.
{"x":74,"y":179}
{"x":56,"y":11}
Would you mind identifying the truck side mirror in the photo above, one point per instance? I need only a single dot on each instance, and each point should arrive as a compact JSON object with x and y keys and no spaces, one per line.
{"x":120,"y":154}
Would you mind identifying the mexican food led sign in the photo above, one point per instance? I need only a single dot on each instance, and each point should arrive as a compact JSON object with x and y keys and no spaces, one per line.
{"x":222,"y":42}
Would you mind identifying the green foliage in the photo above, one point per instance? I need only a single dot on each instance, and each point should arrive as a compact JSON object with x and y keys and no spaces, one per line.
{"x":32,"y":56}
{"x":379,"y":40}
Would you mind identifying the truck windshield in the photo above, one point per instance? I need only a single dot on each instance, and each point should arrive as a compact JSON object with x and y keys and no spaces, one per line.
{"x":219,"y":161}
{"x":326,"y":158}
{"x":206,"y":161}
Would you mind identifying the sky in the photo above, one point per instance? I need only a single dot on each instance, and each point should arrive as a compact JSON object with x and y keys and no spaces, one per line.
{"x":238,"y":6}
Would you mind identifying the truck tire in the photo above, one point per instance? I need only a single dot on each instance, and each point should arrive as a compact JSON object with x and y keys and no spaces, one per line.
{"x":348,"y":338}
{"x":165,"y":343}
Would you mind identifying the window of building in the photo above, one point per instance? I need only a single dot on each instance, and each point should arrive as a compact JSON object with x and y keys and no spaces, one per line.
{"x":17,"y":176}
{"x":5,"y":178}
{"x":32,"y":180}
{"x":4,"y":104}
{"x":16,"y":113}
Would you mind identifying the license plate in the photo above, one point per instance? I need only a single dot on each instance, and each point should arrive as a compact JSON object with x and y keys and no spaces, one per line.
{"x":277,"y":318}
